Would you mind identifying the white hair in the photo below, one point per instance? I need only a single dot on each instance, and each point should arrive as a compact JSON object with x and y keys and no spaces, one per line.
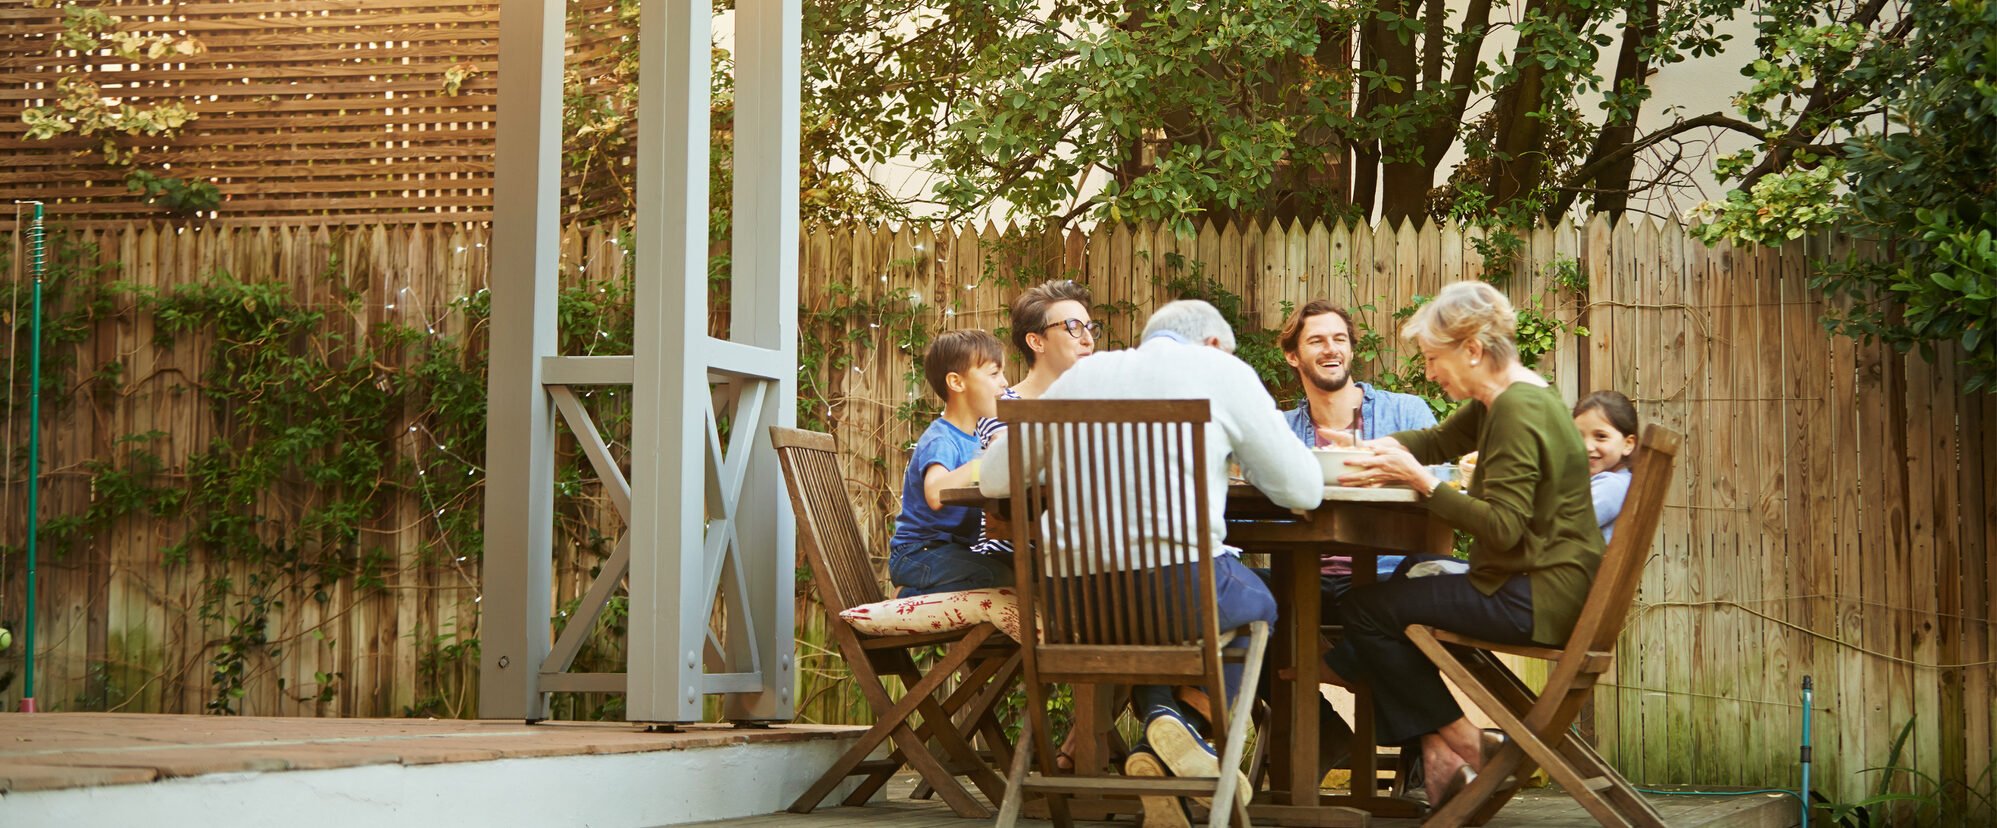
{"x":1192,"y":319}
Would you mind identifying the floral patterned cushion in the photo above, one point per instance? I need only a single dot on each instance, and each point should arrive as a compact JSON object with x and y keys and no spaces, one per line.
{"x":941,"y":612}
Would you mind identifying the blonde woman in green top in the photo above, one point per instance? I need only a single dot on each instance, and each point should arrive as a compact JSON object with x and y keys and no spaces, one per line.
{"x":1534,"y":542}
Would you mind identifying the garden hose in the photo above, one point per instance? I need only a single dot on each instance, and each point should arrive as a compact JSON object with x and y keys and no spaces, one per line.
{"x":38,"y":261}
{"x":1802,"y":796}
{"x":1807,"y":698}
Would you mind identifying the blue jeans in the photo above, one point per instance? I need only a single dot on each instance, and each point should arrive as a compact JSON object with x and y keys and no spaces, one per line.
{"x":1239,"y":597}
{"x":1332,"y":588}
{"x":1409,"y":697}
{"x":945,"y":566}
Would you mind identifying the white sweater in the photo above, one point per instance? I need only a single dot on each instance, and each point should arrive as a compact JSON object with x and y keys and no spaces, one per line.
{"x":1246,"y":423}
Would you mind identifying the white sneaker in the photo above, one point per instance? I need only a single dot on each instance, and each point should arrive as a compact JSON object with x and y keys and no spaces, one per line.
{"x":1186,"y":753}
{"x":1159,"y":811}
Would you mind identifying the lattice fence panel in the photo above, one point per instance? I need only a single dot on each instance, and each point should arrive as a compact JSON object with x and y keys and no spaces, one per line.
{"x":307,"y":109}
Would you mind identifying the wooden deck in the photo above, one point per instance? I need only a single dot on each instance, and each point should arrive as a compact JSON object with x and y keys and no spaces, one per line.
{"x":62,"y":769}
{"x":1541,"y":808}
{"x":51,"y":751}
{"x":108,"y":768}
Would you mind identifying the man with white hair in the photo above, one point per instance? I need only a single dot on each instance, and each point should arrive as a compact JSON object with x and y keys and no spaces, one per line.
{"x":1187,"y":353}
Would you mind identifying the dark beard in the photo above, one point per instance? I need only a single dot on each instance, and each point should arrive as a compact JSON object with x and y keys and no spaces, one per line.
{"x":1329,"y":386}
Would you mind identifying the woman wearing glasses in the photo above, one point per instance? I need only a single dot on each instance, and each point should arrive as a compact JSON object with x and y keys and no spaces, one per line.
{"x":1052,"y":330}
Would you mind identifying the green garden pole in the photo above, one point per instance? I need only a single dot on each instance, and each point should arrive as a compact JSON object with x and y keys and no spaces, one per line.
{"x":37,"y":260}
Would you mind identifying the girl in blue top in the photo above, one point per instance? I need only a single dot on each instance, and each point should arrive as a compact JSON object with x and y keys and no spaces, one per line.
{"x":1608,"y":427}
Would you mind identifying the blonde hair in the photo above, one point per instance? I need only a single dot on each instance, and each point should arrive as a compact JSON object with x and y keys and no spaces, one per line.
{"x":1464,"y":311}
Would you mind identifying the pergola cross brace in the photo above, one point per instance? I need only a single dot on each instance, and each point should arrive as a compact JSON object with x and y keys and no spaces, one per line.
{"x":687,"y":545}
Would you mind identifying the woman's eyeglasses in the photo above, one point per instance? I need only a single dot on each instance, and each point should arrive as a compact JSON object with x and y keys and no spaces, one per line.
{"x":1075,"y":327}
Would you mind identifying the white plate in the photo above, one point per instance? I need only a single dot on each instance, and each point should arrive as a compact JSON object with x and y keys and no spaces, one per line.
{"x":1381,"y":494}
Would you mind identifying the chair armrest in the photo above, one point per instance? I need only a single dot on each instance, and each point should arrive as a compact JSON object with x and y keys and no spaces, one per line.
{"x":1595,"y":662}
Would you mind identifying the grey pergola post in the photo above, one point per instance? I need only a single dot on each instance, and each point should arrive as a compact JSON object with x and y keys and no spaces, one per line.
{"x":515,"y":598}
{"x":706,"y":526}
{"x":764,"y":310}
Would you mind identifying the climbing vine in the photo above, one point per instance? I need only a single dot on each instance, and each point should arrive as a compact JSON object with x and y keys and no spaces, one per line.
{"x":325,"y":429}
{"x":308,"y":409}
{"x":323,"y":423}
{"x":119,"y":128}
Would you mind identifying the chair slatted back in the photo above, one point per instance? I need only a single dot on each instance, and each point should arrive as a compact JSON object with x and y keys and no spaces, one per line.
{"x":827,"y":528}
{"x":1111,"y":524}
{"x":1539,"y":723}
{"x":1607,"y":607}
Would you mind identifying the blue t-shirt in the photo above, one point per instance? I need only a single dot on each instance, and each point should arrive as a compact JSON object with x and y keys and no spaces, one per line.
{"x":1609,"y":488}
{"x":946,"y":445}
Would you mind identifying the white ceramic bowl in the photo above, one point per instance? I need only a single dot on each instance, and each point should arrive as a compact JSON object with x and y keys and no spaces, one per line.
{"x":1335,"y":461}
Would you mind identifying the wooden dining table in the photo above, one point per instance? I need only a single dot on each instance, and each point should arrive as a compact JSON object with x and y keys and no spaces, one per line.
{"x":1361,"y":523}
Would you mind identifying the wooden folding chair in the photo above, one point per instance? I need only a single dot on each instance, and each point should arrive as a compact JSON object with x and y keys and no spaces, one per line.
{"x":987,"y":659}
{"x":1538,"y":724}
{"x":1106,"y":497}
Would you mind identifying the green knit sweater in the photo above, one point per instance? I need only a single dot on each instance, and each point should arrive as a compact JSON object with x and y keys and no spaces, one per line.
{"x":1528,"y":510}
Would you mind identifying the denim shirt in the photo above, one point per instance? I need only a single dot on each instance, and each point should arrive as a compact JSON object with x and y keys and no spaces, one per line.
{"x":1380,"y":414}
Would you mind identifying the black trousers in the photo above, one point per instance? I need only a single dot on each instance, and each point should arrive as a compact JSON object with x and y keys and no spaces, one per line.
{"x":1409,"y":698}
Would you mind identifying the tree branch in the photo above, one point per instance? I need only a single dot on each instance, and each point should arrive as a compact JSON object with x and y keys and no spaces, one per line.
{"x":1433,"y":38}
{"x":1476,"y":26}
{"x":1640,"y":26}
{"x":1821,"y":98}
{"x":1588,"y":171}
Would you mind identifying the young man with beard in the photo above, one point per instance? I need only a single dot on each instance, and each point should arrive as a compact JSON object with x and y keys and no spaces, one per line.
{"x":1318,"y":342}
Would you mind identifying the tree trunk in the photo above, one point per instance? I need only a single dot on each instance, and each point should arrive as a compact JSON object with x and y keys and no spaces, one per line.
{"x":1518,"y":164}
{"x":1404,"y":182}
{"x":1365,"y":152}
{"x":1612,"y":184}
{"x":1333,"y":188}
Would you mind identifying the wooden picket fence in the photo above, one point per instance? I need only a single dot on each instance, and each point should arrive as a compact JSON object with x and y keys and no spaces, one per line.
{"x":1831,"y":517}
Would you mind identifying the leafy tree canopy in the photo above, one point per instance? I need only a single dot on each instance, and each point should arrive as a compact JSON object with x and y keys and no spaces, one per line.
{"x":1876,"y":115}
{"x":1268,"y":107}
{"x":1915,"y":102}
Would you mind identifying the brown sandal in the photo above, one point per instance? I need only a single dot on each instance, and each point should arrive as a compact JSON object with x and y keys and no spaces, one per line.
{"x":1064,"y":756}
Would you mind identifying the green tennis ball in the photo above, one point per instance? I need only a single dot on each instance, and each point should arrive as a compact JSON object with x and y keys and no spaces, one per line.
{"x":6,"y":638}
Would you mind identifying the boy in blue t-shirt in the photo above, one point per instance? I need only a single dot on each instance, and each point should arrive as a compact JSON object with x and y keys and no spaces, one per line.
{"x":931,"y":549}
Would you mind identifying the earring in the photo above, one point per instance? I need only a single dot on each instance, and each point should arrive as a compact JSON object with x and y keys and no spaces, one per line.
{"x":1473,"y":363}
